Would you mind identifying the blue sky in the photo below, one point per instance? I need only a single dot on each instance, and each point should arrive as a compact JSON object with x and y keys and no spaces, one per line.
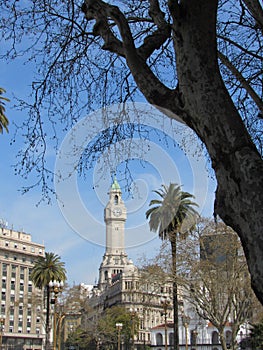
{"x":75,"y":229}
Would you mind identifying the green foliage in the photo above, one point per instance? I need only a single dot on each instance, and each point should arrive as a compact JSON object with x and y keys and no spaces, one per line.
{"x":173,"y":213}
{"x":257,"y":336}
{"x":170,"y":216}
{"x":103,"y":331}
{"x":3,"y":119}
{"x":79,"y":339}
{"x":48,"y":268}
{"x":107,"y":325}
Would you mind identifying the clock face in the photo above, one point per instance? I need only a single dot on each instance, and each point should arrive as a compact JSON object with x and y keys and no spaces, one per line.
{"x":117,"y":211}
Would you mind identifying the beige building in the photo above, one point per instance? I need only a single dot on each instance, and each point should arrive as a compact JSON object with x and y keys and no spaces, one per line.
{"x":22,"y":321}
{"x":121,"y":283}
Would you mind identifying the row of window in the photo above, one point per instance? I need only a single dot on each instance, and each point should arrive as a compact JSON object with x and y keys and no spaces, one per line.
{"x":13,"y":287}
{"x":23,"y":247}
{"x":28,"y":330}
{"x":17,"y":258}
{"x":193,"y":338}
{"x":14,"y":270}
{"x":20,"y":309}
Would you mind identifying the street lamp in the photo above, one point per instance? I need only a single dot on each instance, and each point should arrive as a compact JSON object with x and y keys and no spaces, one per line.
{"x":186,"y":321}
{"x":133,"y":312}
{"x":165,"y":302}
{"x":119,"y":328}
{"x":55,"y":287}
{"x":2,"y":325}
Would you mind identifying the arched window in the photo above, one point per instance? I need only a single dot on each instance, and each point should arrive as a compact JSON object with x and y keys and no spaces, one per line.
{"x":116,"y":199}
{"x":159,"y":339}
{"x":228,"y":338}
{"x":215,"y":339}
{"x":193,"y":338}
{"x":171,"y":339}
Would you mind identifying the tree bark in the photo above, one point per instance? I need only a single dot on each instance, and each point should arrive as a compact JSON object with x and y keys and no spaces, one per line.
{"x":47,"y":328}
{"x":213,"y":116}
{"x":173,"y":241}
{"x":222,"y":339}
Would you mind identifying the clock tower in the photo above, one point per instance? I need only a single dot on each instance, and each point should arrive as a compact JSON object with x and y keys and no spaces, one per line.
{"x":115,"y":258}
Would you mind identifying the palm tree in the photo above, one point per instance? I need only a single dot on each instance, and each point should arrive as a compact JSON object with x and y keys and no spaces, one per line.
{"x":46,"y":269}
{"x":3,"y":120}
{"x":170,"y":216}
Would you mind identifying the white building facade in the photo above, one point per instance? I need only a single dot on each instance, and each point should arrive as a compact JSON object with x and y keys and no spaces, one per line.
{"x":21,"y":303}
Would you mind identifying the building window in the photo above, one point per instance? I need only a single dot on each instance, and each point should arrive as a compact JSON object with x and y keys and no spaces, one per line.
{"x":171,"y":339}
{"x":215,"y":339}
{"x":159,"y":339}
{"x":228,"y":338}
{"x":193,"y":339}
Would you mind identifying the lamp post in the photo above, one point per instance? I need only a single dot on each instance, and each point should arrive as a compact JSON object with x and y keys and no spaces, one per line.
{"x":165,"y":302}
{"x":133,"y":312}
{"x":55,"y":287}
{"x":119,"y":328}
{"x":2,"y":325}
{"x":186,"y":321}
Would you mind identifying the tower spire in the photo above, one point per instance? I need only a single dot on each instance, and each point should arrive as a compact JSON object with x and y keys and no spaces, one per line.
{"x":115,"y":185}
{"x":115,"y":257}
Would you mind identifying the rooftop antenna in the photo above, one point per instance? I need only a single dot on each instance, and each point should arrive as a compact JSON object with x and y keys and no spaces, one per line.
{"x":3,"y":223}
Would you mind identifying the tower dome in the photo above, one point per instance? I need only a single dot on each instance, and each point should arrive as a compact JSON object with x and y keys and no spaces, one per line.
{"x":115,"y":185}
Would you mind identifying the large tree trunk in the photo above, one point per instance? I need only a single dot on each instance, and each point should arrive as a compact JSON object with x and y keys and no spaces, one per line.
{"x":222,"y":339}
{"x":237,"y":164}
